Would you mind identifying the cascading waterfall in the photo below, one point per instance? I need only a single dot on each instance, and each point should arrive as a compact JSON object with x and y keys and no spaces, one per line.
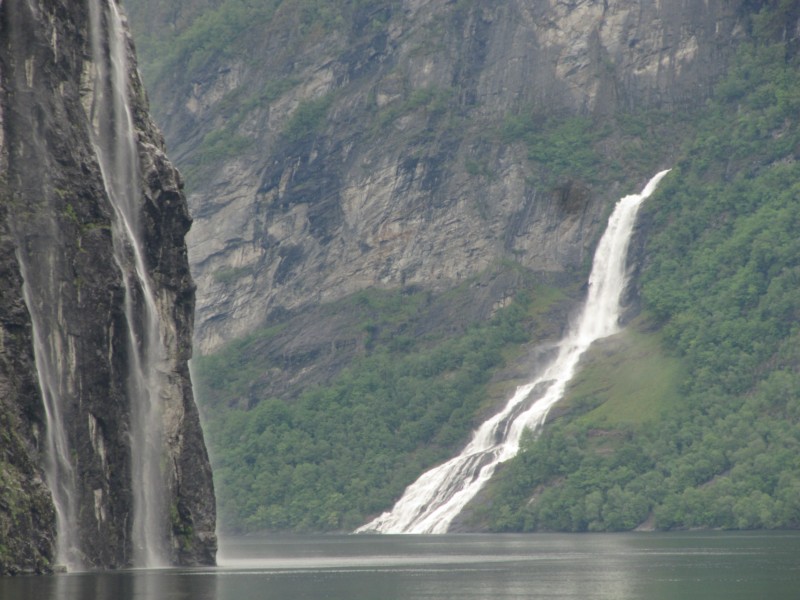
{"x":113,"y":137}
{"x":431,"y":503}
{"x":48,"y":351}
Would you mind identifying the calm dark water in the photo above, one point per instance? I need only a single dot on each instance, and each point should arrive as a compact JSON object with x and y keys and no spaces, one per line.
{"x":652,"y":566}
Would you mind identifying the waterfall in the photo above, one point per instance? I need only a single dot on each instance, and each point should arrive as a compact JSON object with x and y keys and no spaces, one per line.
{"x":114,"y":140}
{"x":431,"y":503}
{"x":49,"y":352}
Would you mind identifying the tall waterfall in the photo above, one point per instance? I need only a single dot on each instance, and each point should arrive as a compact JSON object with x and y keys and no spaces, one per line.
{"x":49,"y":352}
{"x":113,"y":137}
{"x":431,"y":503}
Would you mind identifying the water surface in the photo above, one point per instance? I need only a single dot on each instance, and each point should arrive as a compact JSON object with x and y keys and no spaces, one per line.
{"x":652,"y":566}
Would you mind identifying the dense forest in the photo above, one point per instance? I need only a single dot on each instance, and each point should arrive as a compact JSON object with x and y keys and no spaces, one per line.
{"x":719,"y":293}
{"x":689,"y":418}
{"x":345,"y":450}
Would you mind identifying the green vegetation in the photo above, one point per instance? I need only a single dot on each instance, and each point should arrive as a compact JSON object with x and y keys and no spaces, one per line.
{"x":306,"y":119}
{"x":691,"y":418}
{"x":564,"y":145}
{"x":477,"y":168}
{"x":720,"y":446}
{"x":220,"y":144}
{"x":598,"y":150}
{"x":431,"y":99}
{"x":230,"y":275}
{"x":237,"y":25}
{"x":224,"y":377}
{"x":25,"y":507}
{"x":625,"y":381}
{"x":226,"y":141}
{"x":343,"y":451}
{"x":206,"y":39}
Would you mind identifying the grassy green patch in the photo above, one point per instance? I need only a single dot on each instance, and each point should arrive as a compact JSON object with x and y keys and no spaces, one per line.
{"x":307,"y":118}
{"x":697,"y":425}
{"x":229,"y":275}
{"x":629,"y":380}
{"x":543,"y":297}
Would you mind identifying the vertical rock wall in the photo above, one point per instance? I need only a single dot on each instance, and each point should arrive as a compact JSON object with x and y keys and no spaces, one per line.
{"x":404,"y":180}
{"x":56,"y":230}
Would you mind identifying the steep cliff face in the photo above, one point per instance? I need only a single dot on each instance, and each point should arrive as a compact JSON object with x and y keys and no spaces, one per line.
{"x":459,"y":156}
{"x":27,"y":519}
{"x":379,"y":151}
{"x":65,"y":305}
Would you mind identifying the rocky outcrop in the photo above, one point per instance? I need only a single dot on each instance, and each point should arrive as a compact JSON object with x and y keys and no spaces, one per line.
{"x":27,"y":520}
{"x":369,"y":155}
{"x":56,"y":236}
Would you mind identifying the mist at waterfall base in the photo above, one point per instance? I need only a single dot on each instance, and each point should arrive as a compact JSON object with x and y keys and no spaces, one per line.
{"x":627,"y":566}
{"x":431,"y":503}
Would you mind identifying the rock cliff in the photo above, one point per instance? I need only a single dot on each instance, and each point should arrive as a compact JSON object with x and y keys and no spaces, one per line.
{"x":65,"y":345}
{"x":445,"y":154}
{"x":330,"y":156}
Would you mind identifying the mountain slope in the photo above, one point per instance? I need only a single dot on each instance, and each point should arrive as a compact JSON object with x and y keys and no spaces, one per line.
{"x":333,"y":147}
{"x":458,"y":159}
{"x":719,"y":448}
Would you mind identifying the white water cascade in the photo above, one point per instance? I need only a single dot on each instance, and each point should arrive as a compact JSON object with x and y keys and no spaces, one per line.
{"x":114,"y":140}
{"x":431,"y":503}
{"x":49,"y":352}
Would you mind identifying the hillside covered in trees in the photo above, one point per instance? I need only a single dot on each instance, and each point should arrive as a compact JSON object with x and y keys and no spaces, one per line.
{"x":327,"y":403}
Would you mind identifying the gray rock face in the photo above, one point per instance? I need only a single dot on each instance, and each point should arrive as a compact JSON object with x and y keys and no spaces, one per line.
{"x":55,"y":230}
{"x":401,"y":183}
{"x":27,"y":520}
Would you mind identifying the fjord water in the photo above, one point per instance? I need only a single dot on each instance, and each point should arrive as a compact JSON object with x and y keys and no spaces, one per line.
{"x":431,"y":503}
{"x":628,"y":566}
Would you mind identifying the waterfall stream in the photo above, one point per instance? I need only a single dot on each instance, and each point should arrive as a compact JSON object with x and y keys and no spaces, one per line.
{"x":431,"y":503}
{"x":113,"y":137}
{"x":49,"y":350}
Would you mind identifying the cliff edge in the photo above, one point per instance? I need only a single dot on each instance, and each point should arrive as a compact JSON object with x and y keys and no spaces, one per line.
{"x":69,"y":312}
